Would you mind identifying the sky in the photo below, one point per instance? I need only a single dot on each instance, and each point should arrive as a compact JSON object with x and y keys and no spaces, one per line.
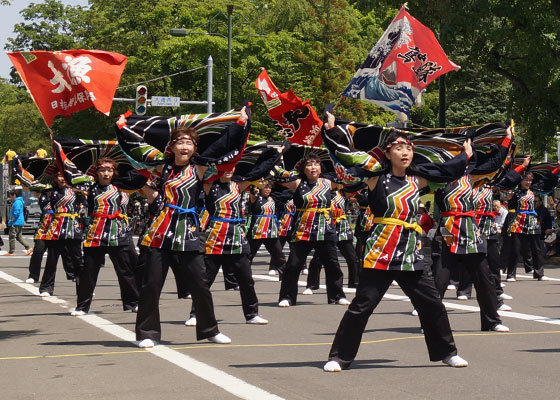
{"x":9,"y":16}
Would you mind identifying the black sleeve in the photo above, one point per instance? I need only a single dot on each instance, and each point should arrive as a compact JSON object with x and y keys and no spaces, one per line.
{"x":266,"y":161}
{"x":510,"y":180}
{"x":448,"y":171}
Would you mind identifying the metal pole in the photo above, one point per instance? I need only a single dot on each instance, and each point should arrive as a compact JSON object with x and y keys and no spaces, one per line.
{"x":228,"y":98}
{"x":441,"y":113}
{"x":209,"y":90}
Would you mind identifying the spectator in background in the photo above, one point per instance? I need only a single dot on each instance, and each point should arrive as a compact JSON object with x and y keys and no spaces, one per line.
{"x":551,"y":242}
{"x":15,"y":223}
{"x":501,"y":212}
{"x":41,"y":153}
{"x":9,"y":156}
{"x":424,"y":218}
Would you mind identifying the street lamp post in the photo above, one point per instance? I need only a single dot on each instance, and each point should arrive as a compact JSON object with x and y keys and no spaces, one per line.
{"x":229,"y":17}
{"x":184,"y":32}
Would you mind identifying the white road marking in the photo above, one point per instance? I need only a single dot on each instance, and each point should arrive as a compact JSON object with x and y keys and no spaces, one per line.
{"x":509,"y":314}
{"x":229,"y":383}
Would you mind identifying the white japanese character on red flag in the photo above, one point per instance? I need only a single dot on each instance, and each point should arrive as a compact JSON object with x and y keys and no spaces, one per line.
{"x":77,"y":68}
{"x":58,"y":79}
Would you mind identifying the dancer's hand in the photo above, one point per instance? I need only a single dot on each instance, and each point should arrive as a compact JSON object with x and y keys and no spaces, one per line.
{"x":467,"y":148}
{"x":330,"y":121}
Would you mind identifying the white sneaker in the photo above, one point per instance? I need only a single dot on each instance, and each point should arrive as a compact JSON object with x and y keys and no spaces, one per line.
{"x":45,"y":294}
{"x":272,"y":272}
{"x":394,"y":283}
{"x":191,"y":321}
{"x":502,"y":285}
{"x":146,"y":344}
{"x":500,"y":328}
{"x":307,"y":292}
{"x":343,"y":301}
{"x":451,"y":287}
{"x":414,"y":312}
{"x":544,"y":278}
{"x":332,"y":366}
{"x":189,"y":296}
{"x":258,"y":320}
{"x":30,"y":280}
{"x":134,"y":309}
{"x":220,"y":338}
{"x":455,"y":362}
{"x":511,"y":280}
{"x":462,"y":298}
{"x":504,"y":307}
{"x":504,"y":296}
{"x":284,"y":303}
{"x":77,"y":313}
{"x":305,"y":271}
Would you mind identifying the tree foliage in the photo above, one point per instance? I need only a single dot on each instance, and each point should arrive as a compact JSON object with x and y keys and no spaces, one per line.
{"x":508,"y":51}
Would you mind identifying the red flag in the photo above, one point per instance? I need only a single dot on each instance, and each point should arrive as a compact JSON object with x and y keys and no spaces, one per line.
{"x":64,"y":82}
{"x":298,"y":120}
{"x":402,"y":63}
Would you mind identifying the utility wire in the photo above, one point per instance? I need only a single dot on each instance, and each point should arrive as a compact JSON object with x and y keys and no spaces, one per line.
{"x":162,"y":77}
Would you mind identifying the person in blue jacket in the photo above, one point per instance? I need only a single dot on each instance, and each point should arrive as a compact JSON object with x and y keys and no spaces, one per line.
{"x":15,"y":223}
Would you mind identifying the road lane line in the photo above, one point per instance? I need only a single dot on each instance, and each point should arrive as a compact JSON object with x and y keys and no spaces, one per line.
{"x":509,"y":314}
{"x":219,"y":378}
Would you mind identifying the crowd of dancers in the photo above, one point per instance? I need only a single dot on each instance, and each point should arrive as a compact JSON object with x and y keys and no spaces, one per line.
{"x":84,"y":218}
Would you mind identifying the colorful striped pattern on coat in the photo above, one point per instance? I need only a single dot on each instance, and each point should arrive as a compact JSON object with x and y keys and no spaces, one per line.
{"x":224,"y":237}
{"x":171,"y":229}
{"x":287,"y":217}
{"x":104,"y":231}
{"x":482,"y":198}
{"x":460,"y":233}
{"x":64,"y":201}
{"x":46,"y":216}
{"x":311,"y":225}
{"x":393,"y":247}
{"x":339,"y":207}
{"x":263,"y":227}
{"x":523,"y":222}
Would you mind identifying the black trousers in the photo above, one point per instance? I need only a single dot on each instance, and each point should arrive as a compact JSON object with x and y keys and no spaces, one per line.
{"x":493,"y":258}
{"x":419,"y":287}
{"x":240,"y":266}
{"x":360,"y":246}
{"x":87,"y":276}
{"x":477,"y":267}
{"x":131,"y":259}
{"x":298,"y":253}
{"x":348,"y":252}
{"x":39,"y":249}
{"x":180,"y":281}
{"x":71,"y":249}
{"x":273,"y":246}
{"x":193,"y":271}
{"x":530,"y":246}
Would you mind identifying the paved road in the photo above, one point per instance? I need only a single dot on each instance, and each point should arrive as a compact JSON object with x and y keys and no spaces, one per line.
{"x":46,"y":354}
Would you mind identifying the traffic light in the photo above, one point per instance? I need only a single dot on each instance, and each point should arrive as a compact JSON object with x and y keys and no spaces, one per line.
{"x":141,"y":100}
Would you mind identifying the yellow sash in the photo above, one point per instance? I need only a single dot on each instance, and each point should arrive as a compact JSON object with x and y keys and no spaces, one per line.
{"x":63,"y":214}
{"x":325,"y":211}
{"x":395,"y":221}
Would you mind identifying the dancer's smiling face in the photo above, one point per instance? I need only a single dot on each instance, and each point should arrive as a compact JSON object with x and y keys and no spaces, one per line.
{"x":527,"y":181}
{"x":183,"y":149}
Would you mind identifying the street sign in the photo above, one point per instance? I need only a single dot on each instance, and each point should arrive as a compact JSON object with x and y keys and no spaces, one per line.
{"x":165,"y":101}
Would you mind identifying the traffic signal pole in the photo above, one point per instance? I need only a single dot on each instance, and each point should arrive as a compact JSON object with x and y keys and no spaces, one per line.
{"x":209,"y":93}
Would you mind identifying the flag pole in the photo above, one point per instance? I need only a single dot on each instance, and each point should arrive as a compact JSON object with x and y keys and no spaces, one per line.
{"x":337,"y":102}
